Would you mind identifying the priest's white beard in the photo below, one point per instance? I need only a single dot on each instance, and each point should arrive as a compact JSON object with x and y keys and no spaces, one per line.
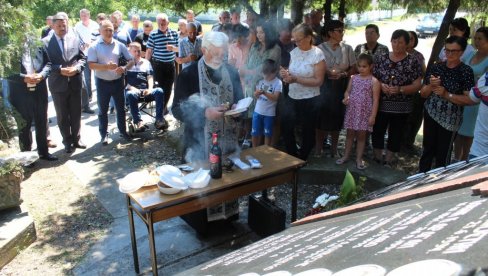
{"x":214,"y":63}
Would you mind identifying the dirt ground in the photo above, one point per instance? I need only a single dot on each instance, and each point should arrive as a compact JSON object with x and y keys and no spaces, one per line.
{"x":69,"y":219}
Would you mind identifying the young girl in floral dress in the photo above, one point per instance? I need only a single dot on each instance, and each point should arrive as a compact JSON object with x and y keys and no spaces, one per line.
{"x":362,"y":100}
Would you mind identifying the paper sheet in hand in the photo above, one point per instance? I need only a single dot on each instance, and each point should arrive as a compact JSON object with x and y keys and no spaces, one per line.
{"x":241,"y":106}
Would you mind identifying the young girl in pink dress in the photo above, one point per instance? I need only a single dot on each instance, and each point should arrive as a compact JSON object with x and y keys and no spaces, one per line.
{"x":362,"y":100}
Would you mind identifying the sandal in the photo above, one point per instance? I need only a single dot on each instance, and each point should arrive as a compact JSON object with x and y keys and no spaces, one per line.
{"x":360,"y":165}
{"x":341,"y":161}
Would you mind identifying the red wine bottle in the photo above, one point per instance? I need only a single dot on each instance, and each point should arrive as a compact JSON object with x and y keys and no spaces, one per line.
{"x":215,"y":158}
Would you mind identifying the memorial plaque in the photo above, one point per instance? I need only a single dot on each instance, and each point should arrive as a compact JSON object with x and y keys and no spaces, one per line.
{"x":450,"y":227}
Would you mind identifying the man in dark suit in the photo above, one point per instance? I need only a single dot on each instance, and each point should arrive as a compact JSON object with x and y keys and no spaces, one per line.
{"x":65,"y":82}
{"x":28,"y":95}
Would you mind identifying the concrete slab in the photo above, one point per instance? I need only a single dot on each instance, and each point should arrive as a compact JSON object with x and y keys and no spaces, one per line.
{"x":17,"y":232}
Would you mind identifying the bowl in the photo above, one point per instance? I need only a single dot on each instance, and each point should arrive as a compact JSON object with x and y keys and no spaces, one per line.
{"x":165,"y":189}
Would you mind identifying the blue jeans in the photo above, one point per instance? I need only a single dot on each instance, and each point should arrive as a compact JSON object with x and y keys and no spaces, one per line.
{"x":156,"y":95}
{"x":105,"y":90}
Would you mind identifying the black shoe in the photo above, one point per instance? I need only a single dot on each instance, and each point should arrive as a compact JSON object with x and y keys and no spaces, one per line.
{"x":88,"y":110}
{"x":112,"y":110}
{"x":79,"y":145}
{"x":68,"y":149}
{"x":104,"y":140}
{"x":161,"y":124}
{"x":48,"y":157}
{"x":126,"y":136}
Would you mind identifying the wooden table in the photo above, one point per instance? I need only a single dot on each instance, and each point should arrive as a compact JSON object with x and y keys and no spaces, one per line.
{"x":152,"y":206}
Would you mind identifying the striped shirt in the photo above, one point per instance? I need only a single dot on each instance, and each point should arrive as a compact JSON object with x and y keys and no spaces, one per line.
{"x":158,"y":41}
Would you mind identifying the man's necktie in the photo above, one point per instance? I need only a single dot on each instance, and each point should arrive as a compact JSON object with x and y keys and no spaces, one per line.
{"x":64,"y":48}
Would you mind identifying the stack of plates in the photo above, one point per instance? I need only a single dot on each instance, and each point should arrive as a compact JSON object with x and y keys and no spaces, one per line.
{"x":133,"y":181}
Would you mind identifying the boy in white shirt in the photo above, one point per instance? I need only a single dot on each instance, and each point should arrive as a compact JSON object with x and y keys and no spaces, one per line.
{"x":267,"y":93}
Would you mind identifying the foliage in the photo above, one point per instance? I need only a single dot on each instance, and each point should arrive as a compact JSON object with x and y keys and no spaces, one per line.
{"x":14,"y":28}
{"x":10,"y":167}
{"x":350,"y":191}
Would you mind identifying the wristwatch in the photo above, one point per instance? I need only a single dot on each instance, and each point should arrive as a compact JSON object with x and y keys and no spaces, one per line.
{"x":401,"y":90}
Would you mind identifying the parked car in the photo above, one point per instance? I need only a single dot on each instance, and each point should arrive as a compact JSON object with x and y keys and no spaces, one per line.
{"x":429,"y":25}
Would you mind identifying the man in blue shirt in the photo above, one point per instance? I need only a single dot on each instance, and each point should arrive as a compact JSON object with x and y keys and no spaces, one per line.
{"x":139,"y":79}
{"x":103,"y":58}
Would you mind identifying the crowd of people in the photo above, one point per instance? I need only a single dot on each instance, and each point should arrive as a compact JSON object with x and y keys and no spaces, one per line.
{"x":304,"y":81}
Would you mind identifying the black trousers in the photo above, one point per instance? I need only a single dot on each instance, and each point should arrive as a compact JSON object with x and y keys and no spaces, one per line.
{"x":302,"y":113}
{"x":32,"y":106}
{"x":164,"y":74}
{"x":437,"y":144}
{"x":395,"y":124}
{"x":68,"y":113}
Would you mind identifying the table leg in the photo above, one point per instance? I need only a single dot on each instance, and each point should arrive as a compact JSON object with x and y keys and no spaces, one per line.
{"x":133,"y":235}
{"x":152,"y":246}
{"x":294,"y":197}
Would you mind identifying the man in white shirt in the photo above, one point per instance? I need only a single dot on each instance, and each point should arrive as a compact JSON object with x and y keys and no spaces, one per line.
{"x":85,"y":29}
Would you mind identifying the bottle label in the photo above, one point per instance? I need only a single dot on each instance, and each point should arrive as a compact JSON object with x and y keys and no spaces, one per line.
{"x":213,"y":158}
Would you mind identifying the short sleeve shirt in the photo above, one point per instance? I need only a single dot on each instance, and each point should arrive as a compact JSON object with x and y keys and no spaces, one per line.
{"x":158,"y":42}
{"x":104,"y":53}
{"x":302,"y":64}
{"x":137,"y":74}
{"x":188,"y":48}
{"x":263,"y":105}
{"x":455,"y":80}
{"x":480,"y":94}
{"x":401,"y":73}
{"x":342,"y":57}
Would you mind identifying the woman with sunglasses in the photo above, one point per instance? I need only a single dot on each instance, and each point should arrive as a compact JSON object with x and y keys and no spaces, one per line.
{"x":442,"y":117}
{"x":340,"y":60}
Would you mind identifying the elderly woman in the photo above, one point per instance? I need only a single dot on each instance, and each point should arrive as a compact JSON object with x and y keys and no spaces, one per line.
{"x":442,"y":117}
{"x":340,"y":60}
{"x":305,"y":76}
{"x":400,"y":75}
{"x":478,"y":61}
{"x":459,"y":27}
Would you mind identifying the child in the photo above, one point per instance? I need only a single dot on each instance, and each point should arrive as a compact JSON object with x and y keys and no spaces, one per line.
{"x":362,"y":100}
{"x":267,"y":92}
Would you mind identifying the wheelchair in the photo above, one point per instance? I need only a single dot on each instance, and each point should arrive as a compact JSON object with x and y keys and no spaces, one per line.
{"x":147,"y":107}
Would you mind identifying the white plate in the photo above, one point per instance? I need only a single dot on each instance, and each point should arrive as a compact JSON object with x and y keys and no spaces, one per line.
{"x":363,"y":270}
{"x":173,"y":181}
{"x":198,"y":179}
{"x":133,"y":181}
{"x":168,"y":170}
{"x":235,"y":111}
{"x":438,"y":267}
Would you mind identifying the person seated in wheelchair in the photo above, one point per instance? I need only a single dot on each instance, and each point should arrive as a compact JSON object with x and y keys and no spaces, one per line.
{"x":140,"y":88}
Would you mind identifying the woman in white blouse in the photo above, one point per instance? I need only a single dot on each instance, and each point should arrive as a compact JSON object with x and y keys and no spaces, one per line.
{"x":305,"y":76}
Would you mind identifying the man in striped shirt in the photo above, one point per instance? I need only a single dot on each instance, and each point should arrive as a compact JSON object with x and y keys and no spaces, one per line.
{"x":161,"y":47}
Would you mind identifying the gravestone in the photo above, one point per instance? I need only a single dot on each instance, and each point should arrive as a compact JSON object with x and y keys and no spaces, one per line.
{"x":451,"y":226}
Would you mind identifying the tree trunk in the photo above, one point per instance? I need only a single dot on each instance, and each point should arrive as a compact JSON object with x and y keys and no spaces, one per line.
{"x":415,"y":118}
{"x":281,"y":11}
{"x":327,"y":11}
{"x":342,"y":10}
{"x":264,"y":8}
{"x":444,"y":30}
{"x":297,"y":11}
